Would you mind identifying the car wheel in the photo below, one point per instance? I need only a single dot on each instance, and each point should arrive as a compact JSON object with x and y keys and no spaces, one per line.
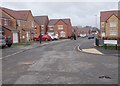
{"x":46,"y":39}
{"x":9,"y":45}
{"x":3,"y":47}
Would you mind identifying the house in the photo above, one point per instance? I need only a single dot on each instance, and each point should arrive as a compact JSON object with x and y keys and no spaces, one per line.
{"x":8,"y":25}
{"x":42,"y":21}
{"x":62,"y":27}
{"x":37,"y":26}
{"x":84,"y":31}
{"x":25,"y":25}
{"x":23,"y":22}
{"x":109,"y":27}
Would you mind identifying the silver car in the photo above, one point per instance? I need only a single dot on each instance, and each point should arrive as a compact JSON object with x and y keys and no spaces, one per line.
{"x":2,"y":41}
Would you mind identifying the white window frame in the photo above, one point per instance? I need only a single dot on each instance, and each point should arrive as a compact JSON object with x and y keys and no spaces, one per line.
{"x":103,"y":24}
{"x":51,"y":27}
{"x":113,"y":33}
{"x":18,"y":22}
{"x":42,"y":27}
{"x":113,"y":24}
{"x":62,"y":34}
{"x":32,"y":23}
{"x":5,"y":22}
{"x":60,"y":27}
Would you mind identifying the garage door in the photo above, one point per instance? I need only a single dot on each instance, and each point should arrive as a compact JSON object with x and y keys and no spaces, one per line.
{"x":15,"y":37}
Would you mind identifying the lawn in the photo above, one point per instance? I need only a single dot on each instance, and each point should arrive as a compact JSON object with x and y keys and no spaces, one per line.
{"x":111,"y":47}
{"x":22,"y":44}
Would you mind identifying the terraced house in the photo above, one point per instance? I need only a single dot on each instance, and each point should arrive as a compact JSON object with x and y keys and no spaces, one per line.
{"x":21,"y":21}
{"x":62,"y":27}
{"x":109,"y":24}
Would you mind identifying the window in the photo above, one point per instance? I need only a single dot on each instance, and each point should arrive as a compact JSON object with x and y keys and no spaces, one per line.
{"x":32,"y":24}
{"x":18,"y":22}
{"x":5,"y":22}
{"x":62,"y":34}
{"x":60,"y":27}
{"x":51,"y":28}
{"x":103,"y":24}
{"x":42,"y":27}
{"x":113,"y":33}
{"x":113,"y":24}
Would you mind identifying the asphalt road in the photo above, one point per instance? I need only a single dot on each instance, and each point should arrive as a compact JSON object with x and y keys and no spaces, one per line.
{"x":60,"y":63}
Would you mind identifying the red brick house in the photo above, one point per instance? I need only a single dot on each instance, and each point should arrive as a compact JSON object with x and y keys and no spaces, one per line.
{"x":23,"y":22}
{"x":42,"y":21}
{"x":84,"y":31}
{"x":62,"y":27}
{"x":109,"y":24}
{"x":8,"y":25}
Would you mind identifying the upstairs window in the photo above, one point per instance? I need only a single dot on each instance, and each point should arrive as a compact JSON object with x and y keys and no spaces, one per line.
{"x":51,"y":28}
{"x":103,"y":24}
{"x":60,"y":27}
{"x":32,"y":24}
{"x":18,"y":22}
{"x":5,"y":22}
{"x":113,"y":24}
{"x":42,"y":27}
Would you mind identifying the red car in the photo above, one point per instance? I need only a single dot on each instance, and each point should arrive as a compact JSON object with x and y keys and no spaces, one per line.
{"x":36,"y":38}
{"x":44,"y":38}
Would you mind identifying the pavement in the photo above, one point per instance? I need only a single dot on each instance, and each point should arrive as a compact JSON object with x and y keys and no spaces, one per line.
{"x":92,"y":49}
{"x":15,"y":49}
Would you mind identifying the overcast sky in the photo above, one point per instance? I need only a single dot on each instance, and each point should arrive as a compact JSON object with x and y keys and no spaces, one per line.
{"x":80,"y":13}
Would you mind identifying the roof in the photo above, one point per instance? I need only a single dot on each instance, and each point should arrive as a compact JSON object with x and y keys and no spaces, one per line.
{"x":54,"y":21}
{"x":5,"y":16}
{"x":20,"y":15}
{"x":105,"y":15}
{"x":83,"y":29}
{"x":10,"y":28}
{"x":41,"y":20}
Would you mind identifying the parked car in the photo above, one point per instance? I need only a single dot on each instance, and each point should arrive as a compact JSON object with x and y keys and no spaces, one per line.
{"x":46,"y":37}
{"x":54,"y":37}
{"x":91,"y":37}
{"x":82,"y":35}
{"x":2,"y":41}
{"x":36,"y":38}
{"x":8,"y":41}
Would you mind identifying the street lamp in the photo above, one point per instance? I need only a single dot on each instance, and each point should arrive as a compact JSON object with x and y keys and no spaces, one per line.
{"x":96,"y":21}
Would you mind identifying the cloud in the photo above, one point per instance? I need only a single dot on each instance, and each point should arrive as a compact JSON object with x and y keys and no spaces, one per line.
{"x":81,"y":13}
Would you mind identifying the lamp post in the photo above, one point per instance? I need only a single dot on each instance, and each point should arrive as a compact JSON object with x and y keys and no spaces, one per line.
{"x":96,"y":21}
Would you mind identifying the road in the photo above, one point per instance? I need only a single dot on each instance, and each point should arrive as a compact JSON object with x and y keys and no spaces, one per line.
{"x":60,"y":63}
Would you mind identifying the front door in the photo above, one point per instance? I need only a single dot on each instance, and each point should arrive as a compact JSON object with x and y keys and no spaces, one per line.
{"x":15,"y":37}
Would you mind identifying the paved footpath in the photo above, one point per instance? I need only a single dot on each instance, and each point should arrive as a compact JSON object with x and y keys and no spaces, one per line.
{"x":18,"y":49}
{"x":89,"y":47}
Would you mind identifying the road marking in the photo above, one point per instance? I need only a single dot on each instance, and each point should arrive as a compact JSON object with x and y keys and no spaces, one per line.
{"x":28,"y":49}
{"x":12,"y":54}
